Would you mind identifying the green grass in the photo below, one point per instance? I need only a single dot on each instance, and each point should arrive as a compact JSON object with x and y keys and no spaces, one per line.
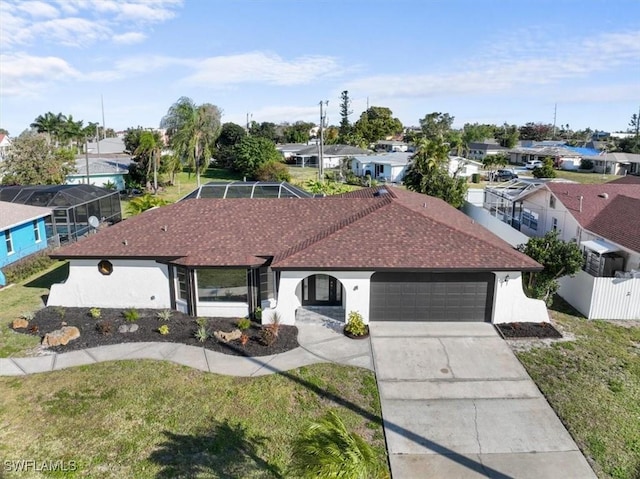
{"x":585,"y":178}
{"x":147,"y":419}
{"x":594,"y":386}
{"x":20,"y":298}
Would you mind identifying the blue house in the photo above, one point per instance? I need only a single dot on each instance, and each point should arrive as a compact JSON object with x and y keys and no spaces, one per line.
{"x":22,"y":232}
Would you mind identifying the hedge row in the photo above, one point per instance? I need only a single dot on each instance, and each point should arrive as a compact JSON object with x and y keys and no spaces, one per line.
{"x":23,"y":269}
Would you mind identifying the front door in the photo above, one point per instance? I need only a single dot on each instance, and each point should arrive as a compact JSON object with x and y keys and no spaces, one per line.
{"x":321,"y":290}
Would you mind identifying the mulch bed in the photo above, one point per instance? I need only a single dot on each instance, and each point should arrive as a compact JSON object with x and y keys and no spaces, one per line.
{"x":181,"y":330}
{"x":528,"y":330}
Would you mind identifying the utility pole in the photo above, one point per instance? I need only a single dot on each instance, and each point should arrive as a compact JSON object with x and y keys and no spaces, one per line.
{"x":555,"y":111}
{"x":321,"y":144}
{"x":86,"y":157}
{"x":104,"y":130}
{"x":249,"y":116}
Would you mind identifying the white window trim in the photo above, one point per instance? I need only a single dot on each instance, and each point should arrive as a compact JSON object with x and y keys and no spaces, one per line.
{"x":9,"y":242}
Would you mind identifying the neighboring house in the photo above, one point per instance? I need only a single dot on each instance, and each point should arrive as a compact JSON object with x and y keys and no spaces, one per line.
{"x":391,"y":146}
{"x":480,"y":150}
{"x":107,"y":146}
{"x":388,"y":253}
{"x":463,"y":167}
{"x":102,"y":171}
{"x":72,"y":205}
{"x":617,"y":163}
{"x":288,"y":150}
{"x":563,"y":157}
{"x":332,"y":154}
{"x":604,"y":220}
{"x":5,"y":145}
{"x":22,"y":232}
{"x":388,"y":167}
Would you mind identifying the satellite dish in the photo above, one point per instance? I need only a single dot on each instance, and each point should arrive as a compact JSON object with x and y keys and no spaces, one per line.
{"x":94,"y":222}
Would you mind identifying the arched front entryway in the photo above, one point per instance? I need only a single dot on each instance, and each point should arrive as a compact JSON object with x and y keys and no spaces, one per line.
{"x":321,"y":290}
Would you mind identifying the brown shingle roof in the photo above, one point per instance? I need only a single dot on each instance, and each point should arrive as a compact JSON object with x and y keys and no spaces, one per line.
{"x":358,"y":230}
{"x":611,"y":210}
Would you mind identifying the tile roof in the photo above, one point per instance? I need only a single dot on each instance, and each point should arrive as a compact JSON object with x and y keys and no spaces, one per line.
{"x":397,"y":230}
{"x":12,"y":214}
{"x":611,"y":210}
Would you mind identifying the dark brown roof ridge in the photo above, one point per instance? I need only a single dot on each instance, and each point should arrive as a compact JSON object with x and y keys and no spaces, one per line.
{"x":305,"y":243}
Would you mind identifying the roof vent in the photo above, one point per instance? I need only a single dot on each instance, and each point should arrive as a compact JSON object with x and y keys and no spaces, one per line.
{"x":381,"y":192}
{"x":604,"y":195}
{"x":125,"y":242}
{"x":164,"y":228}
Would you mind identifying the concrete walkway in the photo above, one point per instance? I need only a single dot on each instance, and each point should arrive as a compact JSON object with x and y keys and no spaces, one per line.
{"x":318,"y":343}
{"x":457,"y":403}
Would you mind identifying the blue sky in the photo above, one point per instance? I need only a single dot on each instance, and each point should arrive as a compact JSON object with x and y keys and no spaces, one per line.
{"x":479,"y":60}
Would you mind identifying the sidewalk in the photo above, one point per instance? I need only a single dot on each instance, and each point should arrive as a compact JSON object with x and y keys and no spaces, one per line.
{"x":318,"y":344}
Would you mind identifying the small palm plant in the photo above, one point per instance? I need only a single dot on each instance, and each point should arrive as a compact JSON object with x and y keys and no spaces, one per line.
{"x":326,"y":449}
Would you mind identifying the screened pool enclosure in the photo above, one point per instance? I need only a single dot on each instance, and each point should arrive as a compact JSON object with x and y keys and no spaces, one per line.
{"x":248,"y":189}
{"x":72,"y":206}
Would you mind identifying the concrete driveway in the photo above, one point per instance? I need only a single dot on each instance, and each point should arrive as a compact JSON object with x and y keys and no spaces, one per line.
{"x":456,"y":403}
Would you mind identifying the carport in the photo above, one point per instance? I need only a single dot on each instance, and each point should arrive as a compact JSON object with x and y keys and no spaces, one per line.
{"x":422,"y":296}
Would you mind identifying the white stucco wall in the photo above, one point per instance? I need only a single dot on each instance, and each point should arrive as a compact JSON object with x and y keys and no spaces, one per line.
{"x":132,"y":284}
{"x":356,"y":290}
{"x":512,"y":305}
{"x":222,"y":309}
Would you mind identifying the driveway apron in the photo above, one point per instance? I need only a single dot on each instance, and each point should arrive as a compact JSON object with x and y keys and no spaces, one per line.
{"x":457,"y":403}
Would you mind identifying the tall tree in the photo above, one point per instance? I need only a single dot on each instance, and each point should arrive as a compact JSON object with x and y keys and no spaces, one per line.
{"x":377,"y":123}
{"x":192,"y":130}
{"x":148,"y":153}
{"x":49,"y":124}
{"x":536,"y":131}
{"x":436,"y":125}
{"x":429,"y":173}
{"x":230,"y":136}
{"x":33,"y":161}
{"x":345,"y":104}
{"x":266,"y":129}
{"x":70,"y":132}
{"x":251,"y":152}
{"x":508,"y":135}
{"x":299,"y":132}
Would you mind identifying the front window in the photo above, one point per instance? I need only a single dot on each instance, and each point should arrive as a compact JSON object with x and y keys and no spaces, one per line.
{"x":8,"y":241}
{"x":530,"y":219}
{"x":222,"y":285}
{"x":181,"y":274}
{"x":36,"y":231}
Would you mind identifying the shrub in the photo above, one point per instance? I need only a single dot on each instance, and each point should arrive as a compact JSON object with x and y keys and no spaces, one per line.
{"x":131,"y":315}
{"x":267,"y":336}
{"x":61,"y":311}
{"x":164,"y":329}
{"x":104,"y":327}
{"x":28,"y":315}
{"x":202,"y":322}
{"x":95,"y":313}
{"x":545,"y":171}
{"x":273,"y":171}
{"x":23,"y":269}
{"x":244,"y":339}
{"x":355,"y":324}
{"x":164,"y":315}
{"x":201,"y":334}
{"x":244,"y":324}
{"x":586,"y":164}
{"x":257,"y":314}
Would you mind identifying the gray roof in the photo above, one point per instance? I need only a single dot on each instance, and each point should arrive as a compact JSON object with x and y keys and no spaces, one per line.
{"x":102,"y":166}
{"x":12,"y":214}
{"x":393,"y":159}
{"x":617,"y":157}
{"x":332,"y":150}
{"x":107,"y":145}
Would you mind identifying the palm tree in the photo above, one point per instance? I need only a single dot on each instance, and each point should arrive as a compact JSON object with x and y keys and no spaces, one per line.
{"x":71,"y":131}
{"x":192,"y":130}
{"x":326,"y":449}
{"x":49,"y":123}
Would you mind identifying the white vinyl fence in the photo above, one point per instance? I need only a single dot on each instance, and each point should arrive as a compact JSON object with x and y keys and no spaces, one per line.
{"x":602,"y":298}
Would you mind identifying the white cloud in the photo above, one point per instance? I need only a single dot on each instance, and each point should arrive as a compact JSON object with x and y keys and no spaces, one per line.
{"x":129,"y":38}
{"x":282,"y":113}
{"x":38,"y":9}
{"x":262,"y":67}
{"x":529,"y":64}
{"x":25,"y":75}
{"x":81,"y":23}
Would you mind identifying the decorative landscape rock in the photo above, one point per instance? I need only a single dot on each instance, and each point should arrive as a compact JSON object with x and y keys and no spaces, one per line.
{"x":20,"y":323}
{"x":226,"y":337}
{"x":61,"y":336}
{"x":128,"y":328}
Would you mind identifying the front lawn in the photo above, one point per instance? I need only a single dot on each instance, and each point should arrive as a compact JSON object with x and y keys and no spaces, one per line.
{"x":593,"y":384}
{"x":148,"y":419}
{"x":584,"y":177}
